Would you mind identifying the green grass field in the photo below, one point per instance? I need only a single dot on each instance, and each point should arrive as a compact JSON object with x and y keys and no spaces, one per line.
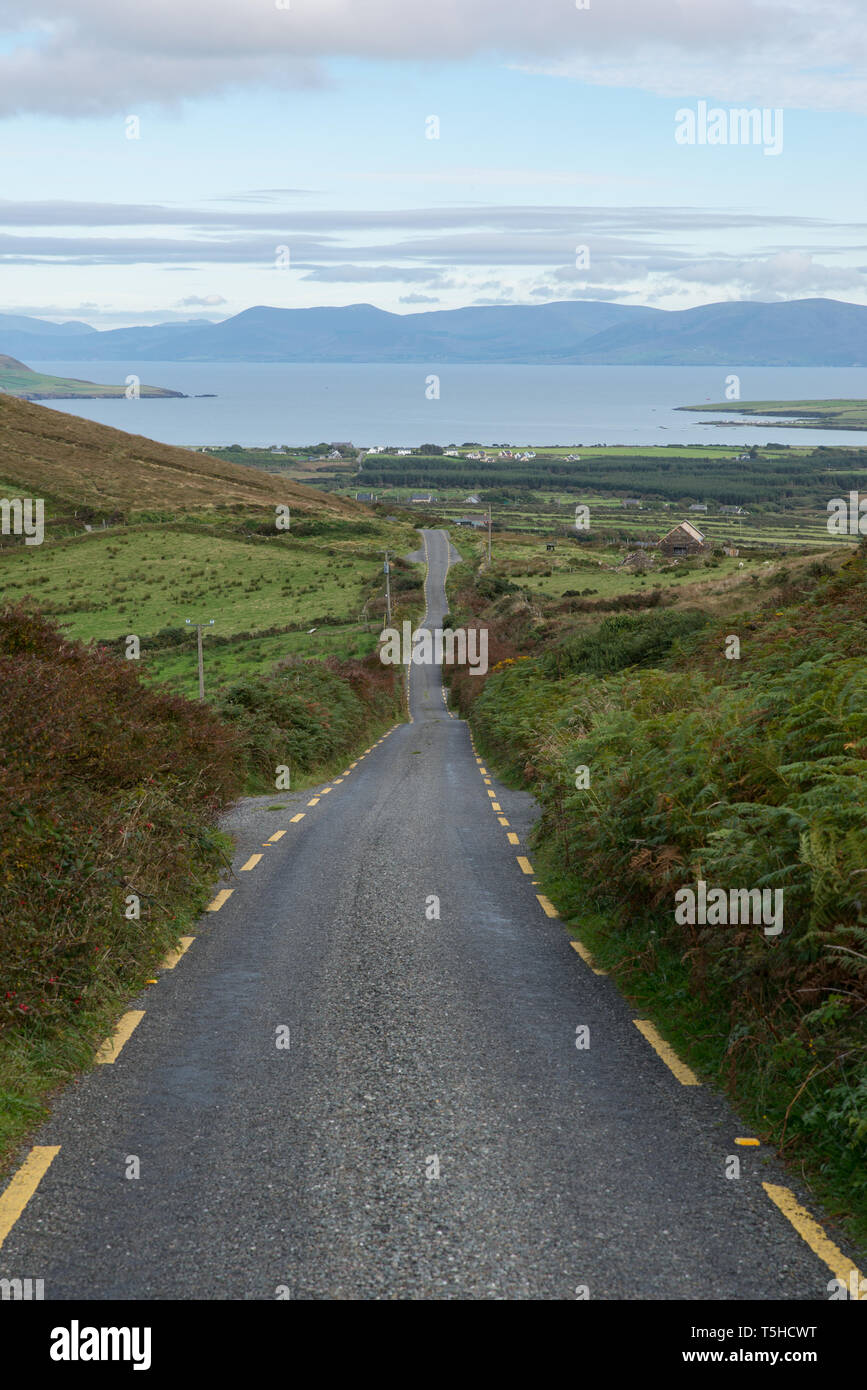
{"x":112,"y":583}
{"x":830,"y":415}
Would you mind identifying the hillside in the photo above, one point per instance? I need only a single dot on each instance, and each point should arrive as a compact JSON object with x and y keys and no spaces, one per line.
{"x":659,"y":763}
{"x":804,"y":332}
{"x":83,"y":464}
{"x":21,"y":381}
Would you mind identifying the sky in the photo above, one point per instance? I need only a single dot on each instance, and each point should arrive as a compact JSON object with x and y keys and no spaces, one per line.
{"x":192,"y":158}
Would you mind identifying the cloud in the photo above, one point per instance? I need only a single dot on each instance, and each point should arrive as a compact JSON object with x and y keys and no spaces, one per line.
{"x":96,"y":56}
{"x":374,"y":274}
{"x":786,"y":275}
{"x":418,"y":299}
{"x":573,"y":219}
{"x":201,"y":301}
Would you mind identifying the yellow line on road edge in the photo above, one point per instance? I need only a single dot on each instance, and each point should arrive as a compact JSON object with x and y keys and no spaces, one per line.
{"x":110,"y":1050}
{"x":586,"y":957}
{"x":251,"y":863}
{"x":278,"y":835}
{"x":512,"y":837}
{"x":173,"y":957}
{"x":495,"y":805}
{"x":684,"y":1074}
{"x":547,"y":906}
{"x":314,"y":801}
{"x":810,"y":1231}
{"x":24,"y":1184}
{"x":222,"y":897}
{"x":300,"y":816}
{"x":525,"y":865}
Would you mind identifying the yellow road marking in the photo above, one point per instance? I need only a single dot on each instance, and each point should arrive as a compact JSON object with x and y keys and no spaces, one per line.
{"x":492,"y":794}
{"x":278,"y":835}
{"x":684,"y":1074}
{"x":512,"y":838}
{"x":110,"y":1050}
{"x":368,"y":750}
{"x":251,"y":863}
{"x":314,"y":801}
{"x":346,"y":773}
{"x":223,"y":896}
{"x":586,"y":956}
{"x":495,"y":805}
{"x":337,"y":781}
{"x":325,"y":791}
{"x":502,"y":820}
{"x":487,"y":781}
{"x":355,"y":764}
{"x":173,"y":957}
{"x":810,"y":1231}
{"x":547,"y":906}
{"x":526,"y":866}
{"x":482,"y":770}
{"x":300,"y":816}
{"x":24,"y":1184}
{"x":754,"y":1143}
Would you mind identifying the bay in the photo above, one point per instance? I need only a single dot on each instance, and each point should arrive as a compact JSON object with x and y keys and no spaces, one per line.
{"x":261,"y":404}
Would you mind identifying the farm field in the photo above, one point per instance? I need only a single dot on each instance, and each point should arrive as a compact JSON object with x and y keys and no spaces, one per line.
{"x":598,"y":573}
{"x":144,"y":580}
{"x":551,"y":516}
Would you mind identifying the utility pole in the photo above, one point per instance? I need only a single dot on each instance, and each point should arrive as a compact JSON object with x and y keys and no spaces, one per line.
{"x":387,"y":569}
{"x":209,"y":622}
{"x":489,"y":533}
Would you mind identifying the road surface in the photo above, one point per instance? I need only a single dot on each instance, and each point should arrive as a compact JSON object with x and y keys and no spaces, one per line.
{"x":431,"y":1131}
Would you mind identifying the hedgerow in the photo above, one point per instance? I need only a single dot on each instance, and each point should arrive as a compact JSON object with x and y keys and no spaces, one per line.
{"x":107,"y":789}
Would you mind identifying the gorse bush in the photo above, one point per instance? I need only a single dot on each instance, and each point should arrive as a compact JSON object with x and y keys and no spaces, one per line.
{"x":306,"y":713}
{"x":625,"y":640}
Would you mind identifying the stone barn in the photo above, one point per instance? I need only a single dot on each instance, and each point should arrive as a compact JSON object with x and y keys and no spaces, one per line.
{"x":683,"y":540}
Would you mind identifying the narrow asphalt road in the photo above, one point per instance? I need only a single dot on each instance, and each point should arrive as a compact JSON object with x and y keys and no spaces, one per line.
{"x":431,"y":1130}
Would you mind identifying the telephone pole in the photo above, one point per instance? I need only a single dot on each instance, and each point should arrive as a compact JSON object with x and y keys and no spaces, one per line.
{"x":208,"y":622}
{"x":489,"y":533}
{"x":387,"y":569}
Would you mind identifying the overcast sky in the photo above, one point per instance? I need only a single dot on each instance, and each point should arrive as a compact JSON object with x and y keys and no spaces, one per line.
{"x":274,"y":131}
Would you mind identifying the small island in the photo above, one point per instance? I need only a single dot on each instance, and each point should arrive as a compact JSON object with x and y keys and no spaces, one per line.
{"x":21,"y":381}
{"x":791,"y":415}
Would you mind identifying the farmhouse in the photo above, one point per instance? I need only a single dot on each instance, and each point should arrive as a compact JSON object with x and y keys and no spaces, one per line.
{"x":684,"y":539}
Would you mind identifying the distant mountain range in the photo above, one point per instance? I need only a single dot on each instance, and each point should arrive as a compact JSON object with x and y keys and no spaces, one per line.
{"x":796,"y":333}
